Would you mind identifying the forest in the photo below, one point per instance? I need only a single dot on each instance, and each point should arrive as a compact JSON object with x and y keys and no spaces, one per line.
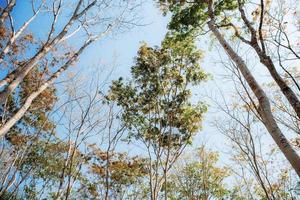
{"x":149,"y":99}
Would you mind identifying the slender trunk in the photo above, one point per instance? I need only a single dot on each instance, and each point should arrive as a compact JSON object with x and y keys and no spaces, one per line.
{"x":166,"y":167}
{"x":264,"y":104}
{"x":72,"y":182}
{"x":107,"y":171}
{"x":165,"y":184}
{"x":6,"y":175}
{"x":150,"y":174}
{"x":107,"y":175}
{"x":255,"y":166}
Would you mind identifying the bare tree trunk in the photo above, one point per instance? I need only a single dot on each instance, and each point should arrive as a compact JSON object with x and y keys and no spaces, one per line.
{"x":264,"y":104}
{"x":107,"y":174}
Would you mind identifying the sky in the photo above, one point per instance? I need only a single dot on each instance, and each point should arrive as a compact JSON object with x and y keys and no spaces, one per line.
{"x":120,"y":48}
{"x":118,"y":52}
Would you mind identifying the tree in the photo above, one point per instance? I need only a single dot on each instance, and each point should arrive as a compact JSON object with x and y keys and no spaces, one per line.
{"x":81,"y":17}
{"x":156,"y":105}
{"x":255,"y":162}
{"x":44,"y":155}
{"x":28,"y":138}
{"x":190,"y":17}
{"x":198,"y":177}
{"x":116,"y":172}
{"x":111,"y":174}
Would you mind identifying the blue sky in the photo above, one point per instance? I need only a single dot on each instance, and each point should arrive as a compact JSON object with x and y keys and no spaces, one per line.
{"x":121,"y":50}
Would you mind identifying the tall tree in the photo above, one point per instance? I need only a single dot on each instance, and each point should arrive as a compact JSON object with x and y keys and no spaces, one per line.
{"x":115,"y":173}
{"x":92,"y":18}
{"x":29,"y":136}
{"x":197,"y":177}
{"x":156,"y":104}
{"x":191,"y":17}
